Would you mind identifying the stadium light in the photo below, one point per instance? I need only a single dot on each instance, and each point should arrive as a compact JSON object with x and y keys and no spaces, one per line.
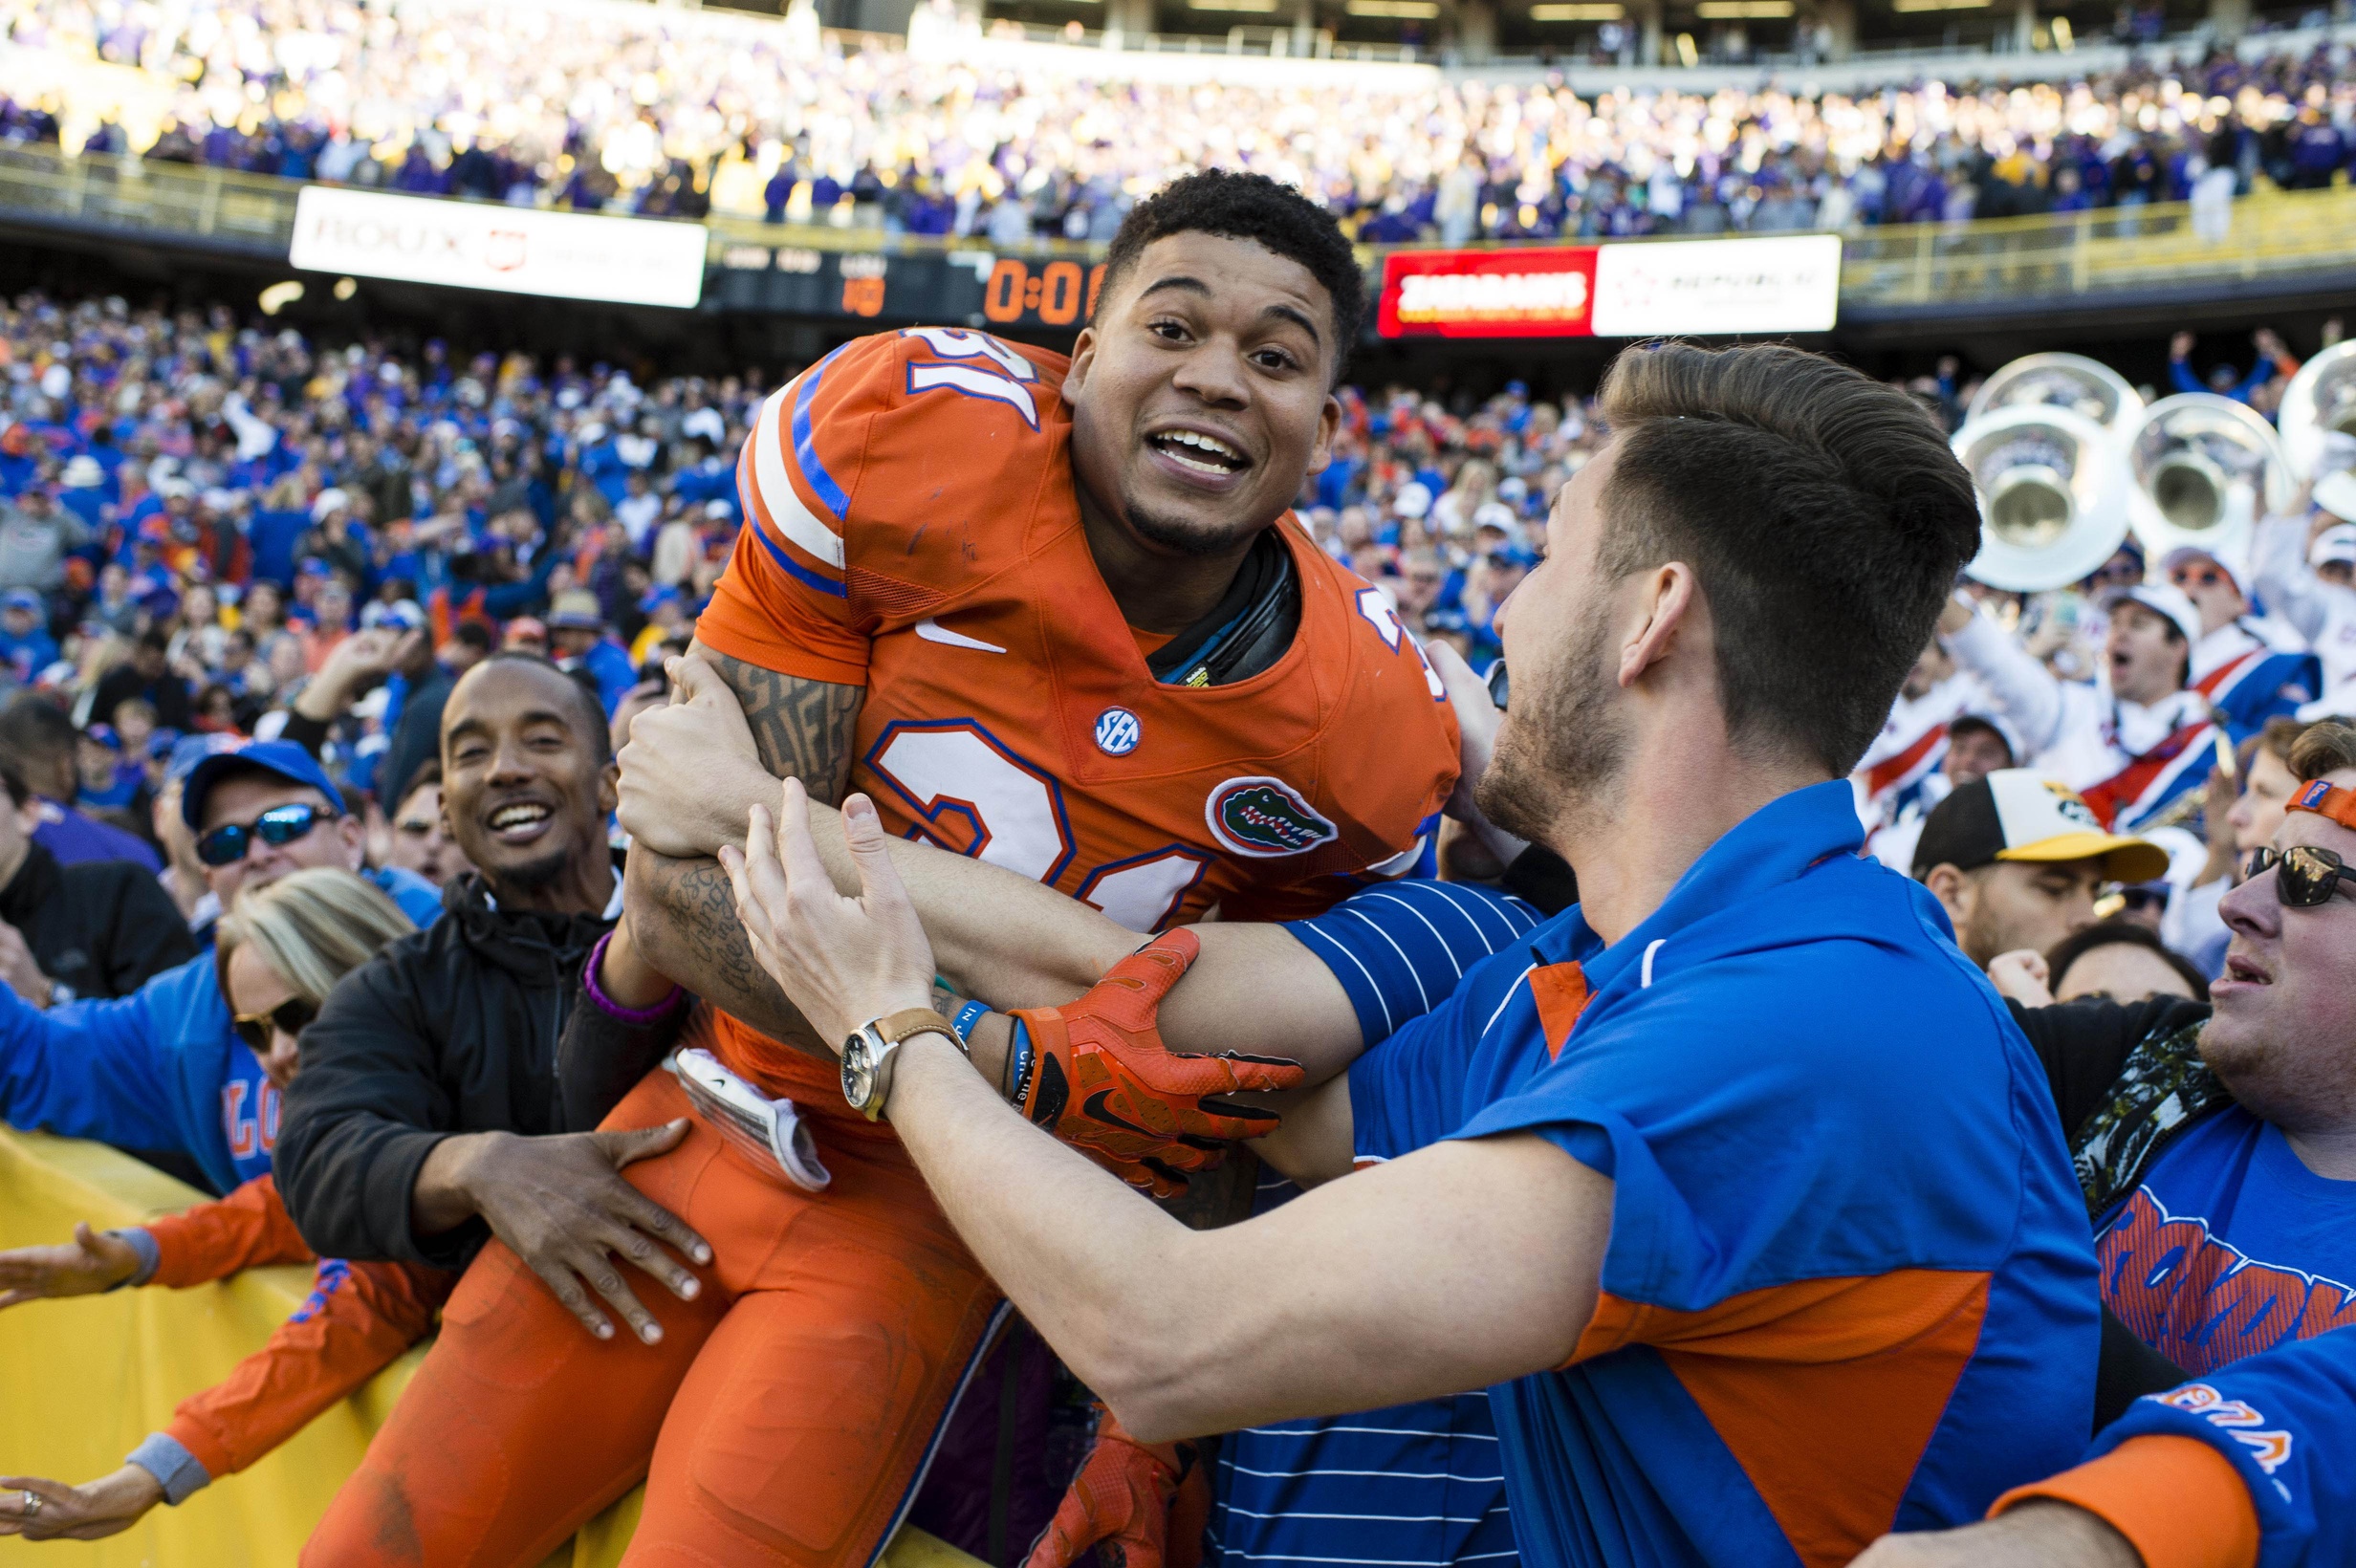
{"x":1721,"y":11}
{"x":346,"y":287}
{"x":1580,"y":11}
{"x":279,"y":295}
{"x":1421,"y":11}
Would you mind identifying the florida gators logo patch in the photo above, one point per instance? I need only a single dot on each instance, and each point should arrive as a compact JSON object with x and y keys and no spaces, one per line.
{"x":1265,"y":816}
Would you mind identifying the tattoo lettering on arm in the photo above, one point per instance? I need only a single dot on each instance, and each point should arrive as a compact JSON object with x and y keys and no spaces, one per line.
{"x":698,"y":941}
{"x":804,"y":728}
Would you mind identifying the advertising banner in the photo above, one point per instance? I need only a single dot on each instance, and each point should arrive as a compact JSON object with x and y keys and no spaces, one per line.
{"x":1767,"y":284}
{"x":1695,"y":288}
{"x":477,"y":245}
{"x":1521,"y":293}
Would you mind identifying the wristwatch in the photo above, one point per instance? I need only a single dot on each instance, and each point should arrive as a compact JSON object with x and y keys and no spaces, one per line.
{"x":867,"y":1055}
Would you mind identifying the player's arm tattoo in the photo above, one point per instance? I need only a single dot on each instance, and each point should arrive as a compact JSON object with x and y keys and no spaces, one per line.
{"x":685,"y":911}
{"x":802,"y":727}
{"x":693,"y":936}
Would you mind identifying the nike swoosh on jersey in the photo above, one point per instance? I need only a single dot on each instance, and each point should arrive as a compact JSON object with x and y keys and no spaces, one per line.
{"x":932,"y":631}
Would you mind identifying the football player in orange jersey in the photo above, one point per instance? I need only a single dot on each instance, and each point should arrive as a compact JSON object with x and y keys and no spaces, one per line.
{"x":1054,"y":615}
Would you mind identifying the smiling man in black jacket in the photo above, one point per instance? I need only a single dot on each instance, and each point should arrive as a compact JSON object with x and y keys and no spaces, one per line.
{"x":429,"y":1117}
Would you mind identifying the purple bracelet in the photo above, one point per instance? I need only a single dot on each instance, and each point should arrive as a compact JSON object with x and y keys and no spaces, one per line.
{"x":615,"y":1010}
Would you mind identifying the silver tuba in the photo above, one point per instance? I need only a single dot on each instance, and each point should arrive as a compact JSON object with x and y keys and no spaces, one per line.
{"x":2052,"y":495}
{"x":2320,"y":402}
{"x":2205,"y":469}
{"x":2065,"y":380}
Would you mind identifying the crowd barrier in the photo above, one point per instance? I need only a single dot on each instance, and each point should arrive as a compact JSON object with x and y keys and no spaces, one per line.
{"x":86,"y":1379}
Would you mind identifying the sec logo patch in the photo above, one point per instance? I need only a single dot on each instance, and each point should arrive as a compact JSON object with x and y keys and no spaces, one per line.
{"x":1117,"y":732}
{"x":1265,"y":817}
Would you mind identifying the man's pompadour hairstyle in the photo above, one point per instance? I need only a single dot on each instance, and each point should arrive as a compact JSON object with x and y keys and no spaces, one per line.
{"x":1823,"y":513}
{"x":1248,"y":207}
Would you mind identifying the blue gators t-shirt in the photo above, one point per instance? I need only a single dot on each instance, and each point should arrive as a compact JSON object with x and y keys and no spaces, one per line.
{"x":1849,"y":1286}
{"x":2230,"y":1247}
{"x":2283,"y":1419}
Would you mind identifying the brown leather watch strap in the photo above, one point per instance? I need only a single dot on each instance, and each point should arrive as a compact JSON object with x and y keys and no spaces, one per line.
{"x":895,"y":1026}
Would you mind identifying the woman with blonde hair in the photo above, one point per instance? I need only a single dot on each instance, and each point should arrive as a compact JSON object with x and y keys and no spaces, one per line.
{"x":280,"y":950}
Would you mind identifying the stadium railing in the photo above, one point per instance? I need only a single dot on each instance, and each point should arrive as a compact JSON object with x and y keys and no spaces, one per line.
{"x":2056,"y":259}
{"x":88,"y":1377}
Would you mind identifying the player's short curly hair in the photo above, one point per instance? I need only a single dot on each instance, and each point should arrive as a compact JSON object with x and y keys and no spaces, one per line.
{"x":1248,"y":207}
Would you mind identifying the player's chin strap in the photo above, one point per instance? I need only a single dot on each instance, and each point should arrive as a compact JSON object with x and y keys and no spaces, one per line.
{"x":2326,"y":801}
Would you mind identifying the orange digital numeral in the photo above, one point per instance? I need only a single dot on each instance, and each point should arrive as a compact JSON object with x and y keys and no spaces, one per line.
{"x":863,"y":295}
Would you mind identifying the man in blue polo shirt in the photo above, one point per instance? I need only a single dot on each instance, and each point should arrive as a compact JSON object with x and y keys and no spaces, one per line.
{"x":162,"y":1071}
{"x":1735,"y":1182}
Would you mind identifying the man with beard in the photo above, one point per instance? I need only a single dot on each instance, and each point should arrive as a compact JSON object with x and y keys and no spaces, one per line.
{"x":1731,"y":1181}
{"x":427,"y":1118}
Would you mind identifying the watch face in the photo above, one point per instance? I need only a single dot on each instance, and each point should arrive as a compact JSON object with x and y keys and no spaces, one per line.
{"x":858,"y":1072}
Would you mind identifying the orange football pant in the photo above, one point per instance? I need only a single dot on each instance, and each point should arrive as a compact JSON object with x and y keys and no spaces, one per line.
{"x":787,"y":1415}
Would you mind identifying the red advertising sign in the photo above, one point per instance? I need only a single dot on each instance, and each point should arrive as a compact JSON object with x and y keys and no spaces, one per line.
{"x":1534,"y":292}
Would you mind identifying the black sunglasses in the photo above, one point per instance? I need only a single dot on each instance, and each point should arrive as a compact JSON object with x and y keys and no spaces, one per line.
{"x":2304,"y":876}
{"x":255,"y":1029}
{"x":227,"y":844}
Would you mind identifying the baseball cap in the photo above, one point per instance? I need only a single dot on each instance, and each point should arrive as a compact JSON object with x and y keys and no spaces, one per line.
{"x":2161,"y":599}
{"x":577,"y":607}
{"x":282,"y":758}
{"x":2336,"y":543}
{"x":2184,"y":554}
{"x":2018,"y":813}
{"x":2336,"y":494}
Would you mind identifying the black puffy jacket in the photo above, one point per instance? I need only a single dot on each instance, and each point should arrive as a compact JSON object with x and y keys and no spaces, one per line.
{"x":453,"y":1030}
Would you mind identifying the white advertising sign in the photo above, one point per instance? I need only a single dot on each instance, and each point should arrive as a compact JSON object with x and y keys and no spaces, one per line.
{"x":474,"y":245}
{"x":1694,"y":288}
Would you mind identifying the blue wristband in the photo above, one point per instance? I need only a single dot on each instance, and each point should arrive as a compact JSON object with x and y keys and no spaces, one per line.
{"x":964,"y":1022}
{"x":1018,"y":1068}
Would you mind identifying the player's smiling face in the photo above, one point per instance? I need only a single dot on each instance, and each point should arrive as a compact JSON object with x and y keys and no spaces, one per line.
{"x":1201,"y":394}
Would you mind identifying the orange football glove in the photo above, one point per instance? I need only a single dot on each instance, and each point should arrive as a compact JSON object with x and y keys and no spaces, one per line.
{"x":1099,"y":1077}
{"x":1119,"y":1503}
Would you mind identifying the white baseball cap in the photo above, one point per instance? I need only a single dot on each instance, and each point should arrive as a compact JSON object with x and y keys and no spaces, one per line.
{"x":2336,"y":543}
{"x":2161,"y":599}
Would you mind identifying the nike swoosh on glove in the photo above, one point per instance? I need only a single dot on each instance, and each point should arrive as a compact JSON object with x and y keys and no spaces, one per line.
{"x":1118,"y":1504}
{"x":1101,"y":1079}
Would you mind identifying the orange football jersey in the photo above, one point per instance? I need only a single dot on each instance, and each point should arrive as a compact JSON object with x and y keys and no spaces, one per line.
{"x":911,"y":527}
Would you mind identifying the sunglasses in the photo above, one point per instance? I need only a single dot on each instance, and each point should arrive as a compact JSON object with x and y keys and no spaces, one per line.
{"x":2304,"y":877}
{"x":257,"y":1028}
{"x":227,"y":843}
{"x":2207,"y":576}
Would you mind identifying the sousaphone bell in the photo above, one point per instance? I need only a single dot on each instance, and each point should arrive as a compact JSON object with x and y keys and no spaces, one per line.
{"x":2204,"y":470}
{"x":2065,"y":380}
{"x":2319,"y":415}
{"x":2052,"y":495}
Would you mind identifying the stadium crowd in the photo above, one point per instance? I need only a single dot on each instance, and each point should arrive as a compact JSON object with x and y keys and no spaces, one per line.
{"x":337,"y":671}
{"x":674,"y":114}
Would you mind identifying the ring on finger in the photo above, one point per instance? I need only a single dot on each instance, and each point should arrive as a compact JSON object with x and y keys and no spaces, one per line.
{"x":32,"y":1503}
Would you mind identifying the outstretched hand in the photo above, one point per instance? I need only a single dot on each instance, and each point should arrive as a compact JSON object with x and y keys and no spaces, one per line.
{"x":841,"y":961}
{"x":90,"y":1263}
{"x":104,"y":1506}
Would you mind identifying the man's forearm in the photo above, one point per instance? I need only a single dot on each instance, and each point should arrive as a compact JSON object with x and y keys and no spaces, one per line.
{"x":438,"y":1201}
{"x":682,"y":921}
{"x":1412,"y":1280}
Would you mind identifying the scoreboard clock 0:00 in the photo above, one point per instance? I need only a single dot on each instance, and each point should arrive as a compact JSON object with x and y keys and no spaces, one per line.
{"x":1060,"y":293}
